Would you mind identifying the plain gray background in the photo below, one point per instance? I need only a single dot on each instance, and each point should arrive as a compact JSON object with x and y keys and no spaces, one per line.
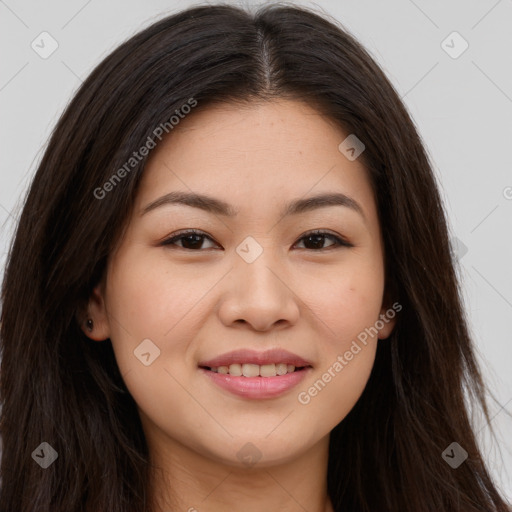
{"x":461,"y":103}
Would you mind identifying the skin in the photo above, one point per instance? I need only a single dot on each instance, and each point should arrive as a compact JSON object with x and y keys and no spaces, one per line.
{"x":196,"y":304}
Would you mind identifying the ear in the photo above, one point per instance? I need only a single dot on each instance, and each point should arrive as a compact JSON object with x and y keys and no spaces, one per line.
{"x":387,"y":316}
{"x":97,"y":312}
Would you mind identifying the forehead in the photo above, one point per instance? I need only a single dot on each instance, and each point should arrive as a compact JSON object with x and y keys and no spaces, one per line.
{"x":254,"y":155}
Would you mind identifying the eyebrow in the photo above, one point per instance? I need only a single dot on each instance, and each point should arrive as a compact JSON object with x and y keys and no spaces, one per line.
{"x":219,"y":207}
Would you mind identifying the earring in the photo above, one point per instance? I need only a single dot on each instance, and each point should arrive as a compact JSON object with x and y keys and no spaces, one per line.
{"x":90,"y":325}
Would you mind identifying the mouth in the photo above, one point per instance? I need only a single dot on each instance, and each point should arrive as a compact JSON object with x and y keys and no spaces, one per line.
{"x":253,"y":374}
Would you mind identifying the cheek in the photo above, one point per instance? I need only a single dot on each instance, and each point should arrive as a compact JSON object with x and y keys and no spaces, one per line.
{"x":148,"y":298}
{"x":151,"y":318}
{"x":347,"y":344}
{"x":346,"y":311}
{"x":146,"y":308}
{"x":346,"y":304}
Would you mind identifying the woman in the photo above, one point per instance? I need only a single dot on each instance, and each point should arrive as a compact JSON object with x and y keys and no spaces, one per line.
{"x":143,"y":371}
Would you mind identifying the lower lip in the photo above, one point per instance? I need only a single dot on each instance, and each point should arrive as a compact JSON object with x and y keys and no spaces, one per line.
{"x":257,"y":387}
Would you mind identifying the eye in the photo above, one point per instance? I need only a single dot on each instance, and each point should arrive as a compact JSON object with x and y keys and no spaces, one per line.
{"x":317,"y":237}
{"x":192,"y":239}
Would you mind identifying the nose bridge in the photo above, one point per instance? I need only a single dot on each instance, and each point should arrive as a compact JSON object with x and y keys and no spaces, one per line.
{"x":257,"y":266}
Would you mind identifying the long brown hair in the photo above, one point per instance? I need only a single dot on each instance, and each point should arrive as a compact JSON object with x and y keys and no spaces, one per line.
{"x":59,"y":387}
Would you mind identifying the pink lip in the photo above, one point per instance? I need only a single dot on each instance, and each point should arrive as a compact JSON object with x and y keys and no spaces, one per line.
{"x":257,"y":387}
{"x":253,"y":357}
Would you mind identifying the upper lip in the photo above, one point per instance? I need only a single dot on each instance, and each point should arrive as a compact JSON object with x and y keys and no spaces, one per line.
{"x":247,"y":356}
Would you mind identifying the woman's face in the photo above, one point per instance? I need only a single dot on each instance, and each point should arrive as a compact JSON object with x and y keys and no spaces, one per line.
{"x":252,"y":281}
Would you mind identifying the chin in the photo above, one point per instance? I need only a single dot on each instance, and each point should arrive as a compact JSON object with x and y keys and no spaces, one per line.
{"x":261,"y":451}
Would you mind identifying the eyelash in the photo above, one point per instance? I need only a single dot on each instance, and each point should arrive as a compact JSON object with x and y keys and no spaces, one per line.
{"x":340,"y":242}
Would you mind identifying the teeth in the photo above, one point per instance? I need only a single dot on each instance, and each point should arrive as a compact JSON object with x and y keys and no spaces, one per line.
{"x":267,"y":370}
{"x":250,"y":370}
{"x":235,"y":369}
{"x":281,"y":369}
{"x":254,"y":370}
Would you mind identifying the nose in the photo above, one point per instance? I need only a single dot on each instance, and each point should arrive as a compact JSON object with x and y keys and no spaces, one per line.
{"x":259,"y":295}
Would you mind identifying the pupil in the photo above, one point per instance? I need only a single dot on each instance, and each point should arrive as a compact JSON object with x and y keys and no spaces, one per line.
{"x":195,"y":243}
{"x":318,"y":240}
